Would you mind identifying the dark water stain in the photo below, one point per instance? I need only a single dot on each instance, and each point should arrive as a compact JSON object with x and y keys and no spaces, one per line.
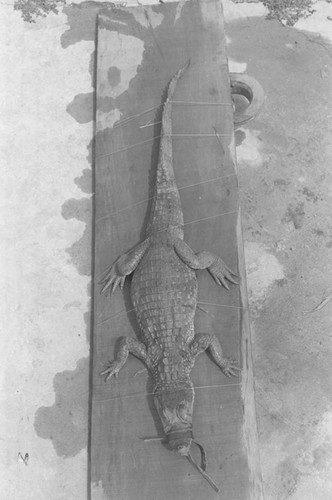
{"x":81,"y":19}
{"x":81,"y":251}
{"x":85,"y":181}
{"x":295,"y":214}
{"x":310,"y":195}
{"x":114,"y":76}
{"x":81,"y":107}
{"x":65,"y":422}
{"x":106,"y":104}
{"x":239,"y":137}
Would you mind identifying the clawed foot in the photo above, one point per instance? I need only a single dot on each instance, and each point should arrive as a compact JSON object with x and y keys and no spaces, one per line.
{"x":113,"y":368}
{"x":220,"y":273}
{"x":111,"y":280}
{"x":229,"y":368}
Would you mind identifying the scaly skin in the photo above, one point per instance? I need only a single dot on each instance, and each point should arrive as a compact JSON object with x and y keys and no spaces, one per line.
{"x":164,"y":295}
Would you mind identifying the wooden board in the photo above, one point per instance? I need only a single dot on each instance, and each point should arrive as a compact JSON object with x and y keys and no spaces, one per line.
{"x":138,"y":51}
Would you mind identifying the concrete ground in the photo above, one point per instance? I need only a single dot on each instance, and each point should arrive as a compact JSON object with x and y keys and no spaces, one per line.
{"x":283,"y":162}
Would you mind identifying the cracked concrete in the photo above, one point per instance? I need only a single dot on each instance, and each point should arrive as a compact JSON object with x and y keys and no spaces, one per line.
{"x":283,"y":161}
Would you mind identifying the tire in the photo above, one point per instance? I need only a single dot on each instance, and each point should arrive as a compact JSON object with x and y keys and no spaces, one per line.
{"x":248,"y":98}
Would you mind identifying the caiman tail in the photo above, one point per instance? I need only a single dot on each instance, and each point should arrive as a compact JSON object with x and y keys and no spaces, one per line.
{"x":166,"y":208}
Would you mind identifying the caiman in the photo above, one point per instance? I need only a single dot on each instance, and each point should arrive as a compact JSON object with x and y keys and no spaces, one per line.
{"x":164,"y":296}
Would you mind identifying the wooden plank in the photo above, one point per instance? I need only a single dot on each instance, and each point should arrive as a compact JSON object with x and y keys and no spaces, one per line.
{"x":139,"y":50}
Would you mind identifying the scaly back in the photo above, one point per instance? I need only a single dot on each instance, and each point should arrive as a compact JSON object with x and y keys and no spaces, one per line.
{"x":166,"y":207}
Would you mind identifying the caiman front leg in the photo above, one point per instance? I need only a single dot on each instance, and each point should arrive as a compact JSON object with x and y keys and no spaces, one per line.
{"x":127,"y":346}
{"x":122,"y":267}
{"x":203,"y":341}
{"x":205,"y":260}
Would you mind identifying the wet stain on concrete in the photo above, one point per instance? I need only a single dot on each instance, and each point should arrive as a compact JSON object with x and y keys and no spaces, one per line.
{"x":85,"y":181}
{"x":114,"y":76}
{"x":239,"y":137}
{"x":106,"y":104}
{"x":82,"y":22}
{"x":80,"y":251}
{"x":65,"y":423}
{"x":81,"y":107}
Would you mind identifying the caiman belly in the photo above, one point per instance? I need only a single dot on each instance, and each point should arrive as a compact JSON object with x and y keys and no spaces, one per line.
{"x":164,"y":295}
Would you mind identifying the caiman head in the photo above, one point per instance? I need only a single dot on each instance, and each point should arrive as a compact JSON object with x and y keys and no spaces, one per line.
{"x":174,"y":404}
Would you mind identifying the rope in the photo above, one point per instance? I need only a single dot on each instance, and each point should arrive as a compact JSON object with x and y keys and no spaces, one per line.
{"x":204,"y":474}
{"x":183,"y":103}
{"x":158,"y":137}
{"x":152,"y":197}
{"x":139,"y":394}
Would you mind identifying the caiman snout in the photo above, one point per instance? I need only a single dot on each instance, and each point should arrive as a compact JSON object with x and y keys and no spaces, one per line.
{"x":175,"y":409}
{"x":180,"y":441}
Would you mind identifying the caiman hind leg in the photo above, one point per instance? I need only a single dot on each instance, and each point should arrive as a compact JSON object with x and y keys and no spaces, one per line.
{"x":203,"y":341}
{"x":123,"y":266}
{"x":205,"y":260}
{"x":127,"y":346}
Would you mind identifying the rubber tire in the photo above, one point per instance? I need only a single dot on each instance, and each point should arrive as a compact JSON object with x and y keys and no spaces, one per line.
{"x":247,"y":86}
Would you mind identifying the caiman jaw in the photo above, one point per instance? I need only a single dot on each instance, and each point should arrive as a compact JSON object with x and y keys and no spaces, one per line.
{"x":180,"y":440}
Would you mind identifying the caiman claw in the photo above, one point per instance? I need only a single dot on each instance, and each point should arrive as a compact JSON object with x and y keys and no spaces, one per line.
{"x":111,"y":280}
{"x":229,"y":368}
{"x":220,"y":273}
{"x":112,"y":369}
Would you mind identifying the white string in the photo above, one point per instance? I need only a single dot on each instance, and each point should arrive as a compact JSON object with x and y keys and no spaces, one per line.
{"x":138,"y":394}
{"x":220,"y":305}
{"x":158,"y":137}
{"x":203,"y":103}
{"x":193,"y":103}
{"x":151,"y":197}
{"x":211,"y":217}
{"x":125,"y":311}
{"x":132,"y":117}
